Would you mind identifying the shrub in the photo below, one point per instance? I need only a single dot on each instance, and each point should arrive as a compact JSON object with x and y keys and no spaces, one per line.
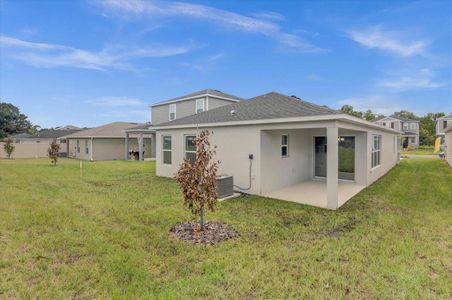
{"x":9,"y":147}
{"x":53,"y":152}
{"x":198,"y":179}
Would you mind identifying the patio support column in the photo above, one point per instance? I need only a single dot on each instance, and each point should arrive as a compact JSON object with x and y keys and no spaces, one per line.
{"x":126,"y":152}
{"x":332,"y":164}
{"x":140,"y":147}
{"x":153,"y":145}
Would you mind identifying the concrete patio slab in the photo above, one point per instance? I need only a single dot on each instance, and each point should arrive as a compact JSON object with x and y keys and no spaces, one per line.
{"x":314,"y":192}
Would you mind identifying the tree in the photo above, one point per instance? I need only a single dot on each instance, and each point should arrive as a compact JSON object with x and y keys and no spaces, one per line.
{"x":427,"y":131}
{"x":9,"y":147}
{"x":348,"y":109}
{"x":406,"y":114}
{"x":53,"y":152}
{"x":198,"y":179}
{"x":12,"y":121}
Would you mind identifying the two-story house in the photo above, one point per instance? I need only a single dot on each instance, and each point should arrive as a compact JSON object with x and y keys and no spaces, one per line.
{"x":441,"y":124}
{"x":177,"y":108}
{"x":409,"y":127}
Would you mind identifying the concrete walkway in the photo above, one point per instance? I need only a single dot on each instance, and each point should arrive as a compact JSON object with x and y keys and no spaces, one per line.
{"x":420,"y":156}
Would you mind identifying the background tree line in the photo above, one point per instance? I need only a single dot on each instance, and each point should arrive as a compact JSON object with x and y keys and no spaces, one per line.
{"x":426,"y":123}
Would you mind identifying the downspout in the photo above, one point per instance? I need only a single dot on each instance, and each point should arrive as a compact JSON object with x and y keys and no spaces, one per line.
{"x":91,"y":149}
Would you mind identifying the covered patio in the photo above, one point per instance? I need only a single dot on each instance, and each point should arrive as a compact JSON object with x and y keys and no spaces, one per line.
{"x":145,"y":146}
{"x":324,"y":166}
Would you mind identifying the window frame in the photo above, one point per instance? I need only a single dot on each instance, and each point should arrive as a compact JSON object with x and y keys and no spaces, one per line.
{"x":172,"y":105}
{"x":78,"y":146}
{"x":170,"y":150}
{"x":86,"y":147}
{"x":185,"y":145}
{"x":282,"y":145}
{"x":376,"y":152}
{"x":203,"y":105}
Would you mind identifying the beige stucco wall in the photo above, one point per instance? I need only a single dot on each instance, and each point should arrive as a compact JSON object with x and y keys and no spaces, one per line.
{"x":160,"y":114}
{"x":106,"y":148}
{"x":270,"y":171}
{"x":448,"y":151}
{"x":26,"y":150}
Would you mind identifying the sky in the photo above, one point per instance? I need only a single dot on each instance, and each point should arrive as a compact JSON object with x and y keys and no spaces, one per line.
{"x":91,"y":62}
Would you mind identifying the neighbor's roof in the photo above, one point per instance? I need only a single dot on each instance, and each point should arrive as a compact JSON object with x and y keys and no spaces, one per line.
{"x":403,"y":119}
{"x":449,"y":116}
{"x":113,"y":130}
{"x":46,"y":134}
{"x":206,"y":92}
{"x":269,"y":106}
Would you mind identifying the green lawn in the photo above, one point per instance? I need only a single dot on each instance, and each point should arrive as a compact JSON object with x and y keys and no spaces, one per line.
{"x":106,"y":235}
{"x":422,"y":150}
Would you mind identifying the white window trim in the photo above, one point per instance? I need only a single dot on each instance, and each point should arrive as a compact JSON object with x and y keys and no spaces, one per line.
{"x":203,"y":105}
{"x":167,"y":150}
{"x":185,"y":145}
{"x":375,"y":151}
{"x":284,"y":145}
{"x":175,"y":111}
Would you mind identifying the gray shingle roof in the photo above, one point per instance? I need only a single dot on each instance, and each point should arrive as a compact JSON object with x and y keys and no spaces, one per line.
{"x":210,"y":92}
{"x":269,"y":106}
{"x":47,"y":134}
{"x":114,"y":130}
{"x":403,"y":119}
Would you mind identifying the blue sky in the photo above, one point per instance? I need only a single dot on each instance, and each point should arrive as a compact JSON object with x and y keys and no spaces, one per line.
{"x":91,"y":62}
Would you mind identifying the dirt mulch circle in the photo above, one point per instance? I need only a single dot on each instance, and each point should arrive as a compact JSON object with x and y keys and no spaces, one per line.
{"x":214,"y":232}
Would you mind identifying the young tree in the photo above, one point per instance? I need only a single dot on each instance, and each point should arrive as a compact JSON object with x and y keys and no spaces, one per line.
{"x":9,"y":147}
{"x":198,"y":179}
{"x":53,"y":152}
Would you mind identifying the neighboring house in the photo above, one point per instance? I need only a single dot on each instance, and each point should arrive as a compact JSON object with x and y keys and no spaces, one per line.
{"x":177,"y":108}
{"x":441,"y":124}
{"x":282,"y":147}
{"x":448,"y":144}
{"x":44,"y":136}
{"x":107,"y":142}
{"x":410,"y":128}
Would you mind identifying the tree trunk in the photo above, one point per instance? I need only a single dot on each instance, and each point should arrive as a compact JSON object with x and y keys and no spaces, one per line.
{"x":202,"y":218}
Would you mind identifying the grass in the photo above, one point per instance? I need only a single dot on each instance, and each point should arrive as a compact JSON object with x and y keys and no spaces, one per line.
{"x":422,"y":150}
{"x":105,"y":234}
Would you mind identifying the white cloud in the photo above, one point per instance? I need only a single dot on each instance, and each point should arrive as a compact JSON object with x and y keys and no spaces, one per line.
{"x":390,"y":41}
{"x":53,"y":55}
{"x":257,"y":25}
{"x":110,"y":101}
{"x":422,"y":79}
{"x":270,"y":15}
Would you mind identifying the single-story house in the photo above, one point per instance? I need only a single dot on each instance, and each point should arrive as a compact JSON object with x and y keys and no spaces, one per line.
{"x":285,"y":148}
{"x":108,"y":142}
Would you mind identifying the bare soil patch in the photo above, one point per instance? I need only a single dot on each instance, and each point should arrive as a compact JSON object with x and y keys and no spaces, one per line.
{"x":214,"y":232}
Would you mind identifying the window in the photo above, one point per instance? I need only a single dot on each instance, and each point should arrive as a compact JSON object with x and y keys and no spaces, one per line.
{"x":376,"y":151}
{"x":167,"y":148}
{"x":62,"y":141}
{"x":190,"y":148}
{"x":86,"y":147}
{"x":413,"y":125}
{"x":405,"y":126}
{"x":78,"y":146}
{"x":392,"y":125}
{"x":199,"y":106}
{"x":172,"y":112}
{"x":413,"y":140}
{"x":284,"y":145}
{"x":384,"y":123}
{"x":444,"y":123}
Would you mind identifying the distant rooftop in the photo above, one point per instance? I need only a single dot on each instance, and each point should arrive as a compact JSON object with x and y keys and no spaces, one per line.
{"x":46,"y":134}
{"x":206,"y":92}
{"x":113,"y":130}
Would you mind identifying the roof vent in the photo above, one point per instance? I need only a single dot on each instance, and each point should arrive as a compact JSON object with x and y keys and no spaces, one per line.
{"x":293,"y":96}
{"x":232,"y":112}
